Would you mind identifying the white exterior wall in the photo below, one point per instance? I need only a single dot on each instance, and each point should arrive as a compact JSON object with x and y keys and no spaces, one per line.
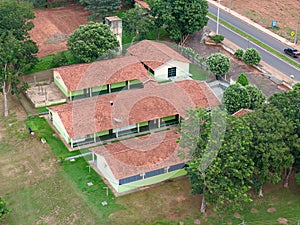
{"x":104,"y":168}
{"x":60,"y":83}
{"x":59,"y":125}
{"x":161,"y":72}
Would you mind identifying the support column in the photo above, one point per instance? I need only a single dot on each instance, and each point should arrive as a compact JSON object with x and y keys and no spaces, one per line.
{"x":95,"y":137}
{"x":109,"y":88}
{"x":117,"y":133}
{"x":138,"y":127}
{"x":93,"y":157}
{"x":158,"y":123}
{"x":90,"y":92}
{"x":71,"y":143}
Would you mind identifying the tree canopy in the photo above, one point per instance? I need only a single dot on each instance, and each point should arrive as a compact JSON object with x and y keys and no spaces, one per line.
{"x":236,"y":97}
{"x":221,"y":169}
{"x":17,"y":51}
{"x":137,"y":22}
{"x":92,"y":40}
{"x":101,"y":8}
{"x":218,"y":64}
{"x":288,"y":103}
{"x":251,"y":56}
{"x":180,"y":17}
{"x":270,"y":150}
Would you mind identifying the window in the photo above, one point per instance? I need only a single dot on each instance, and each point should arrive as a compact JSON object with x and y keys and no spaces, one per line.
{"x":172,"y":72}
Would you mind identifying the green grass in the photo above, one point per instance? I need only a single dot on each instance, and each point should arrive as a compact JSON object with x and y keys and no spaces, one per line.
{"x":42,"y":129}
{"x":197,"y":72}
{"x":250,"y":38}
{"x":45,"y":62}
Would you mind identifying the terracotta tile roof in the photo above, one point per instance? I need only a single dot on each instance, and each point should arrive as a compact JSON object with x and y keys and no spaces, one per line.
{"x":242,"y":112}
{"x":143,"y":4}
{"x":93,"y":115}
{"x":153,"y":54}
{"x":81,"y":76}
{"x":140,"y":155}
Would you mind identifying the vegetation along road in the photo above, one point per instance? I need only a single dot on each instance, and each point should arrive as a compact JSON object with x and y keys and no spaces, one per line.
{"x":244,"y":43}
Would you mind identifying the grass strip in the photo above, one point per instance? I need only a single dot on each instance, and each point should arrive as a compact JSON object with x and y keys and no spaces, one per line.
{"x":254,"y":40}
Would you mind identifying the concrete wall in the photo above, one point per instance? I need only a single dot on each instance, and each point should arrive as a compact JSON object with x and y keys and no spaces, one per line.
{"x":103,"y":167}
{"x":60,"y":83}
{"x":161,"y":73}
{"x":59,"y":125}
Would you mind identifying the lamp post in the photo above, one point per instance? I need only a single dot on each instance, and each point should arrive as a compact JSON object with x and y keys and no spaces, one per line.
{"x":218,"y":15}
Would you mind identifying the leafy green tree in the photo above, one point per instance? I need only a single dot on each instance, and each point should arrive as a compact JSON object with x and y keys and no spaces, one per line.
{"x":101,"y":8}
{"x":251,"y":56}
{"x":239,"y":53}
{"x":242,"y":79}
{"x":92,"y":40}
{"x":17,"y":51}
{"x":218,"y":64}
{"x":180,"y":17}
{"x":222,"y":172}
{"x":137,"y":22}
{"x":236,"y":97}
{"x":3,"y":208}
{"x":289,"y":105}
{"x":257,"y":98}
{"x":270,"y":152}
{"x":128,"y":3}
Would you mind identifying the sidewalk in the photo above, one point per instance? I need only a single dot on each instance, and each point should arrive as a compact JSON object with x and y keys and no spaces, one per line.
{"x":268,"y":68}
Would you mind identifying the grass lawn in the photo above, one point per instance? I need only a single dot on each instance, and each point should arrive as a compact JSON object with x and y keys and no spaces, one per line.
{"x":38,"y":190}
{"x":197,"y":72}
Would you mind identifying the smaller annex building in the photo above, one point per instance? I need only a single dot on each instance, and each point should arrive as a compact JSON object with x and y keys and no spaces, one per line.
{"x":159,"y":59}
{"x":112,"y":116}
{"x":139,"y":162}
{"x":101,"y":77}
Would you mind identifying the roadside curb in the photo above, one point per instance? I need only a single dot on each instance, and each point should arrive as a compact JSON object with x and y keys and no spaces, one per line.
{"x":250,"y":22}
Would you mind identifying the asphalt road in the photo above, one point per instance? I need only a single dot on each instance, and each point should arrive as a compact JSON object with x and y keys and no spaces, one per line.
{"x":244,"y":43}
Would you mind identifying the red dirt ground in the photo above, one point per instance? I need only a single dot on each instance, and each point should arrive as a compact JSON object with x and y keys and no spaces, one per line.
{"x":263,"y":12}
{"x":51,"y":27}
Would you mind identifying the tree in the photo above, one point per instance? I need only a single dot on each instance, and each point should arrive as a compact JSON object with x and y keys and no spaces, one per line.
{"x":92,"y":40}
{"x":180,"y":17}
{"x":270,"y":151}
{"x":288,"y":103}
{"x":101,"y":8}
{"x":137,"y":21}
{"x":218,"y":64}
{"x":3,"y":208}
{"x":257,"y":98}
{"x":251,"y":56}
{"x":222,"y":175}
{"x":239,"y":53}
{"x":242,"y":79}
{"x":17,"y":51}
{"x":236,"y":97}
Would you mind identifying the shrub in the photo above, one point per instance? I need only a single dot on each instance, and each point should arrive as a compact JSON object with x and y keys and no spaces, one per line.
{"x":59,"y":59}
{"x":236,"y":97}
{"x":218,"y":64}
{"x":217,"y":38}
{"x":239,"y":53}
{"x":242,"y":79}
{"x":251,"y":56}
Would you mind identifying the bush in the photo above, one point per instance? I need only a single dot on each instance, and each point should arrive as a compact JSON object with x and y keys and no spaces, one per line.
{"x":217,"y":38}
{"x":242,"y":79}
{"x":239,"y":53}
{"x":218,"y":64}
{"x":257,"y":98}
{"x":3,"y":208}
{"x":236,"y":97}
{"x":59,"y":59}
{"x":251,"y":56}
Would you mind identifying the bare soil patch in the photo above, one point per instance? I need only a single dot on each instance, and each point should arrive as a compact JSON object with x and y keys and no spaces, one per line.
{"x":282,"y":220}
{"x":263,"y":12}
{"x":52,"y":27}
{"x":270,"y":210}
